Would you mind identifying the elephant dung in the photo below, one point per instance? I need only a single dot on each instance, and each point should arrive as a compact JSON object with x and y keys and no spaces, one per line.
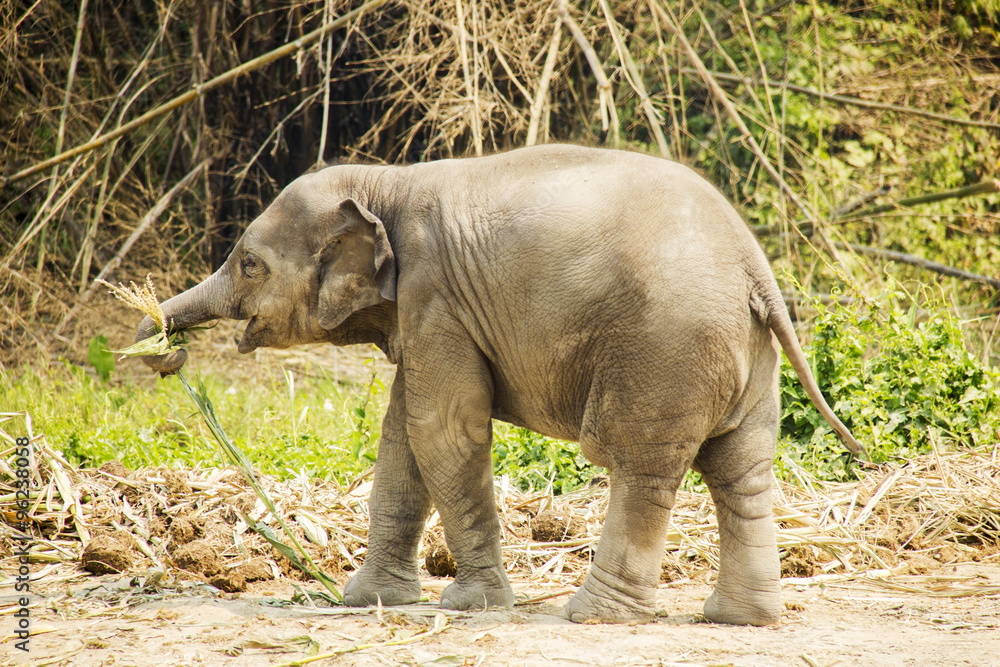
{"x":437,"y":559}
{"x":106,"y":555}
{"x":555,"y":526}
{"x":197,"y":556}
{"x":255,"y":570}
{"x":175,"y":483}
{"x":115,"y":468}
{"x":230,"y":581}
{"x":183,"y":531}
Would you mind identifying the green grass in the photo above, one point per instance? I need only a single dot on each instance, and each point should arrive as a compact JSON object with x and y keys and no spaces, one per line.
{"x":325,"y":428}
{"x":535,"y":462}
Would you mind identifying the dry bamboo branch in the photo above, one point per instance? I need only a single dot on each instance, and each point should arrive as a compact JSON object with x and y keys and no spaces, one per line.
{"x":844,"y":99}
{"x":634,"y":78}
{"x":922,"y":263}
{"x":858,"y":202}
{"x":327,"y":71}
{"x":75,"y":59}
{"x":510,"y":73}
{"x":760,"y":63}
{"x":197,"y":92}
{"x":609,"y":115}
{"x":463,"y":49}
{"x":147,"y":220}
{"x":988,"y":186}
{"x":60,"y":136}
{"x":543,"y":84}
{"x":41,"y":221}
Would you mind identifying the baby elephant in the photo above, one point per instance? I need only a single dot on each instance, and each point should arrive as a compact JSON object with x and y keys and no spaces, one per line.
{"x":606,"y":297}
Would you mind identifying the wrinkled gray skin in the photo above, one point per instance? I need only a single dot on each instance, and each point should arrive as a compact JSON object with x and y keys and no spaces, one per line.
{"x":605,"y":297}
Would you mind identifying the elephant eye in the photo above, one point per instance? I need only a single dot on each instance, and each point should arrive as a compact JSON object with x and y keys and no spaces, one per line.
{"x":253,"y":267}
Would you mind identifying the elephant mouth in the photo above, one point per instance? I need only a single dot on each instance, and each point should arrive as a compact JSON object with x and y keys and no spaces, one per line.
{"x":246,"y":344}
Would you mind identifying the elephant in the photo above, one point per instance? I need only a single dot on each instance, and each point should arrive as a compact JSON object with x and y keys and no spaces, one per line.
{"x":606,"y":297}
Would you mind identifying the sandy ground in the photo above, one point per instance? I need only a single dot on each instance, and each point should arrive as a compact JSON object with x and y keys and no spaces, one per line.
{"x":84,"y":622}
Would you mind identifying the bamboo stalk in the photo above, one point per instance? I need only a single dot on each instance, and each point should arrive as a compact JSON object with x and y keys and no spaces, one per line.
{"x":74,"y":60}
{"x":857,"y":203}
{"x":543,"y":84}
{"x":922,"y":263}
{"x":634,"y":79}
{"x":85,"y":256}
{"x":760,"y":64}
{"x":988,"y":186}
{"x":734,"y":115}
{"x":506,"y":67}
{"x":844,"y":99}
{"x":609,"y":115}
{"x":463,"y":50}
{"x":327,"y":69}
{"x":41,"y":221}
{"x":662,"y":50}
{"x":196,"y":92}
{"x":60,"y":137}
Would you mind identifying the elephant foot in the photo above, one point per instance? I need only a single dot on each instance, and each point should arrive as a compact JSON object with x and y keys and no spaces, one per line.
{"x":373,"y":583}
{"x":597,"y":602}
{"x":477,"y":595}
{"x":751,"y":608}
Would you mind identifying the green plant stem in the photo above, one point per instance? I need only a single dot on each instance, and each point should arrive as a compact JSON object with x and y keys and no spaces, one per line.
{"x":239,"y":459}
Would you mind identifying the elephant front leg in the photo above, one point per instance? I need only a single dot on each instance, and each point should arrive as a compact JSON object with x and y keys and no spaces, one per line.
{"x":398,"y":508}
{"x":450,"y":429}
{"x":737,"y":469}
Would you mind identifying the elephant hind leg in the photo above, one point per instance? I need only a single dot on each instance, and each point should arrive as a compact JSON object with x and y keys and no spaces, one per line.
{"x":737,"y":469}
{"x":622,"y":583}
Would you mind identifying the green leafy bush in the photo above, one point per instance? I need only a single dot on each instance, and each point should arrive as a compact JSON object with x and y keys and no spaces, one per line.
{"x":533,"y":461}
{"x":900,"y":382}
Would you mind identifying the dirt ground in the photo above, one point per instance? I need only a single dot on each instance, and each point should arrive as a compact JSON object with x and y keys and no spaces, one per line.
{"x":846,"y":623}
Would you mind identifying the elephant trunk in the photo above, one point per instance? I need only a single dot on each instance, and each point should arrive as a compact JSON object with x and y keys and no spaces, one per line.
{"x":211,"y":299}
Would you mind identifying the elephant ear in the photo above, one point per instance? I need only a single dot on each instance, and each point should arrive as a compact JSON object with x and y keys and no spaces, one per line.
{"x":357,"y":265}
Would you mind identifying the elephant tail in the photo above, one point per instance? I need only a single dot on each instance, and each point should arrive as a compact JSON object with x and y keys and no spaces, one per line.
{"x":777,"y":319}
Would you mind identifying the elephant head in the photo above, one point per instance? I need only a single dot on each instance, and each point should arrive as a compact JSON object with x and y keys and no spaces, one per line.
{"x":301,"y":269}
